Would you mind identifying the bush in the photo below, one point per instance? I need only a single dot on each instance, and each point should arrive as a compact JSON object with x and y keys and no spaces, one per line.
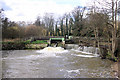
{"x":13,"y":45}
{"x":20,"y":45}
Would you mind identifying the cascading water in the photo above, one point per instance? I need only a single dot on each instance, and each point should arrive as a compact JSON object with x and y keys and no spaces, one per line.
{"x":93,"y":50}
{"x":86,"y":51}
{"x":52,"y":50}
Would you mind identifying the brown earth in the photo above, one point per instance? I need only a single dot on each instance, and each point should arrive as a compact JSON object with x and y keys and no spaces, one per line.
{"x":114,"y":67}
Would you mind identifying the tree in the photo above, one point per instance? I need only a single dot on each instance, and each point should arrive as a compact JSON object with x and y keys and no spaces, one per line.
{"x":61,"y":26}
{"x":66,"y":25}
{"x":77,"y":15}
{"x":38,"y":22}
{"x":56,"y":29}
{"x":34,"y":31}
{"x":71,"y":26}
{"x":114,"y":26}
{"x":49,"y":23}
{"x":97,"y":22}
{"x":5,"y":23}
{"x":111,"y":8}
{"x":13,"y":32}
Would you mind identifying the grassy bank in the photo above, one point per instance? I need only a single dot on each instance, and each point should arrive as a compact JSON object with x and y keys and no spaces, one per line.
{"x":22,"y":45}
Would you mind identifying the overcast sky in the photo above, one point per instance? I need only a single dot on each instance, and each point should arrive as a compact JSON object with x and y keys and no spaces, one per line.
{"x":28,"y":10}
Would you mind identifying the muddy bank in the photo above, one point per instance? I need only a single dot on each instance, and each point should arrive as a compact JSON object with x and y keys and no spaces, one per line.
{"x":21,"y":46}
{"x":115,"y":69}
{"x":35,"y":46}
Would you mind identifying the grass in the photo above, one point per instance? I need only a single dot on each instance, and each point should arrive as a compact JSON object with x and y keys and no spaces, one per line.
{"x":40,"y":42}
{"x":21,"y":45}
{"x":36,"y":42}
{"x":27,"y":41}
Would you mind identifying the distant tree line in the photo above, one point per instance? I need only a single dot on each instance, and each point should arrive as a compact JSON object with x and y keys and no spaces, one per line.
{"x":82,"y":21}
{"x":13,"y":30}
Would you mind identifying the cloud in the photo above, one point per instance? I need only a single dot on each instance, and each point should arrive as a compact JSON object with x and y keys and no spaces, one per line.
{"x":28,"y":10}
{"x":3,"y":4}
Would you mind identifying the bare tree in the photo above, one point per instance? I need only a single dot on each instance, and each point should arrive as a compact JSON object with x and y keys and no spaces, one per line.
{"x":38,"y":22}
{"x":49,"y":23}
{"x":111,"y":8}
{"x":77,"y":16}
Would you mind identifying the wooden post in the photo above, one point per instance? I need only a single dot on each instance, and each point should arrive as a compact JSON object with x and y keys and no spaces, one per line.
{"x":49,"y":42}
{"x":63,"y":42}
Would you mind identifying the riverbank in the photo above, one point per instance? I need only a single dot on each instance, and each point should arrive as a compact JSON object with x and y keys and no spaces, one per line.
{"x":23,"y":45}
{"x":40,"y":44}
{"x":115,"y":69}
{"x":33,"y":44}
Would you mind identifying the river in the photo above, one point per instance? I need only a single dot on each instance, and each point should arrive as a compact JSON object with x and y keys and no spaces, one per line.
{"x":54,"y":62}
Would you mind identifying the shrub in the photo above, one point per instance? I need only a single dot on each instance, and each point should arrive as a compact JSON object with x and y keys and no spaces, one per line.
{"x":13,"y":45}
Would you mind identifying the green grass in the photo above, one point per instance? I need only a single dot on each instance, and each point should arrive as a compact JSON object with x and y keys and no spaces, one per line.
{"x":27,"y":41}
{"x":21,"y":45}
{"x":36,"y":42}
{"x":40,"y":42}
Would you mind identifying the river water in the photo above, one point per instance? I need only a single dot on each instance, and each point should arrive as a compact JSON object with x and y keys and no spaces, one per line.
{"x":54,"y":62}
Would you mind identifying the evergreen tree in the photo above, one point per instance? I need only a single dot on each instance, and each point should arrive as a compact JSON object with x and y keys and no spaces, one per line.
{"x":66,"y":25}
{"x":71,"y":25}
{"x":56,"y":29}
{"x":61,"y":27}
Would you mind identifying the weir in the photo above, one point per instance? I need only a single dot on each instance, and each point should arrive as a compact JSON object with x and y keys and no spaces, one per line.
{"x":56,"y":40}
{"x":62,"y":40}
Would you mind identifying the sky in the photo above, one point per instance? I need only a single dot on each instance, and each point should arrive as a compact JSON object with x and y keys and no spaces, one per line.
{"x":28,"y":10}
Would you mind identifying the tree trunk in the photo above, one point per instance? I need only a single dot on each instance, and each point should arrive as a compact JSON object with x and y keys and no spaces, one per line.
{"x":66,"y":26}
{"x":95,"y":33}
{"x":56,"y":30}
{"x":62,"y":27}
{"x":109,"y":44}
{"x":114,"y":31}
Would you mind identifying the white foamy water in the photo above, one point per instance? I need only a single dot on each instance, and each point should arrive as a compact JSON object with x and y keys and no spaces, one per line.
{"x":53,"y":50}
{"x":49,"y":52}
{"x":85,"y":53}
{"x":81,"y":51}
{"x":85,"y":56}
{"x":75,"y":71}
{"x":89,"y":56}
{"x":44,"y":53}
